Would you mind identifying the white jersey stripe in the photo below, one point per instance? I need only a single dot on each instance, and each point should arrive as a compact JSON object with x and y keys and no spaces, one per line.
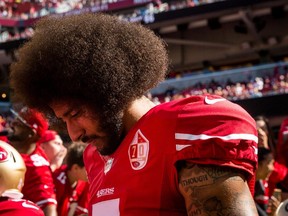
{"x":50,"y":200}
{"x":191,"y":137}
{"x":82,"y":209}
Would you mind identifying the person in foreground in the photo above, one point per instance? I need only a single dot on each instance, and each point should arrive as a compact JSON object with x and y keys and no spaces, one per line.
{"x":266,"y":205}
{"x":27,"y":127}
{"x":194,"y":156}
{"x":12,"y":174}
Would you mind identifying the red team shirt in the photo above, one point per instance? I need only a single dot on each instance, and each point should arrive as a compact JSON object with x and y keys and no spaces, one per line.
{"x":18,"y":207}
{"x":38,"y":184}
{"x":66,"y":194}
{"x":140,"y":177}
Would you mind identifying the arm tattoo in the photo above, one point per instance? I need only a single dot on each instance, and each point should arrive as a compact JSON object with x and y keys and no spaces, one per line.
{"x":214,"y":190}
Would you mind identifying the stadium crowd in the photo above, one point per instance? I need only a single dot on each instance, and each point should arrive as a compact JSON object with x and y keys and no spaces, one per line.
{"x":276,"y":83}
{"x":27,"y":9}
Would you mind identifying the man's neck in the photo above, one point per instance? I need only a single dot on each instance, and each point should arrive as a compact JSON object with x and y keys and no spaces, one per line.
{"x":135,"y":111}
{"x":71,"y":178}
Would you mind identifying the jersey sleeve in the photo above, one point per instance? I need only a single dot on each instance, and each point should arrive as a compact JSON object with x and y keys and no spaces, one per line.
{"x":216,"y":131}
{"x":39,"y":186}
{"x":81,"y":197}
{"x":16,"y":207}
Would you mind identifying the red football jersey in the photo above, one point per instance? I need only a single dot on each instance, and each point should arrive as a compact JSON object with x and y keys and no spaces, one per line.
{"x":16,"y":207}
{"x":140,"y":177}
{"x":38,"y":184}
{"x":67,"y":194}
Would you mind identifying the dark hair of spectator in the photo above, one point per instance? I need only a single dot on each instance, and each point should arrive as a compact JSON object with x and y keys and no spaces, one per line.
{"x":75,"y":155}
{"x":262,"y":153}
{"x":90,"y":58}
{"x":271,"y":138}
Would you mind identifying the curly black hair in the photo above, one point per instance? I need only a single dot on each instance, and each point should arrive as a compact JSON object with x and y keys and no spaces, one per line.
{"x":94,"y":58}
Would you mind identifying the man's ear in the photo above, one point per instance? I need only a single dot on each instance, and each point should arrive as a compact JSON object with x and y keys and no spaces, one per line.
{"x":75,"y":167}
{"x":32,"y":133}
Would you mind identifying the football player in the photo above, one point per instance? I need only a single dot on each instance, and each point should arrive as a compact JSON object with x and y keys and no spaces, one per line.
{"x":193,"y":156}
{"x":28,"y":126}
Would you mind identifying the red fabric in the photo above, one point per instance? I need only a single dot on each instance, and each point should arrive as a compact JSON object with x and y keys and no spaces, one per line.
{"x":262,"y":192}
{"x":4,"y":139}
{"x":48,"y":136}
{"x":279,"y":173}
{"x":145,"y":181}
{"x":66,"y":194}
{"x":16,"y":207}
{"x":282,"y":146}
{"x":38,"y":184}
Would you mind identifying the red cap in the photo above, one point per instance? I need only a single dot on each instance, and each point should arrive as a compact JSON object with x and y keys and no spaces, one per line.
{"x":33,"y":119}
{"x":48,"y":136}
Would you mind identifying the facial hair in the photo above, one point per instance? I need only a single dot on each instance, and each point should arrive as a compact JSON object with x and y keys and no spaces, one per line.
{"x":15,"y":137}
{"x":112,"y":127}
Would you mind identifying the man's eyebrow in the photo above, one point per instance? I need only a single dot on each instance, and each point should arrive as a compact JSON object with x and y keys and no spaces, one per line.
{"x":65,"y":114}
{"x":68,"y":112}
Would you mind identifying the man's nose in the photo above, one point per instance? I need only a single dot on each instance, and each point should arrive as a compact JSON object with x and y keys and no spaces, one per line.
{"x":74,"y":132}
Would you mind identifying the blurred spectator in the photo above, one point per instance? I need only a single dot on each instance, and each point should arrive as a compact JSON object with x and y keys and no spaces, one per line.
{"x":52,"y":145}
{"x":266,"y":139}
{"x":266,"y":136}
{"x":282,"y":156}
{"x":12,"y":173}
{"x":261,"y":196}
{"x":283,"y":143}
{"x":28,"y":126}
{"x":71,"y":183}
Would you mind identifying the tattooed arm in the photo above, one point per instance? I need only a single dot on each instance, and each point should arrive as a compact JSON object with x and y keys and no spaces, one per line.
{"x":215,"y":191}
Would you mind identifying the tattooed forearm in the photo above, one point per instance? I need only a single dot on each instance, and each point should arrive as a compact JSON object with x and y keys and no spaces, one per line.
{"x":212,"y":190}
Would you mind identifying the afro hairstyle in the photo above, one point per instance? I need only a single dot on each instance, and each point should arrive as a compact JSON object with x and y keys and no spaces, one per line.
{"x":94,"y":58}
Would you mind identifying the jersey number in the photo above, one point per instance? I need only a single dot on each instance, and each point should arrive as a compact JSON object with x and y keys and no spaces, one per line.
{"x":107,"y":207}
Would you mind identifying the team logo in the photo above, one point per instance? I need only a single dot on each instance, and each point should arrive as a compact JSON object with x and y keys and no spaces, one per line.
{"x":38,"y":160}
{"x":108,"y":165}
{"x":105,"y":192}
{"x":213,"y":101}
{"x":3,"y":154}
{"x":26,"y":204}
{"x":138,"y":151}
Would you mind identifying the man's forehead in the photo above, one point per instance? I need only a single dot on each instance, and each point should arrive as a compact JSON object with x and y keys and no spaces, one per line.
{"x":61,"y":108}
